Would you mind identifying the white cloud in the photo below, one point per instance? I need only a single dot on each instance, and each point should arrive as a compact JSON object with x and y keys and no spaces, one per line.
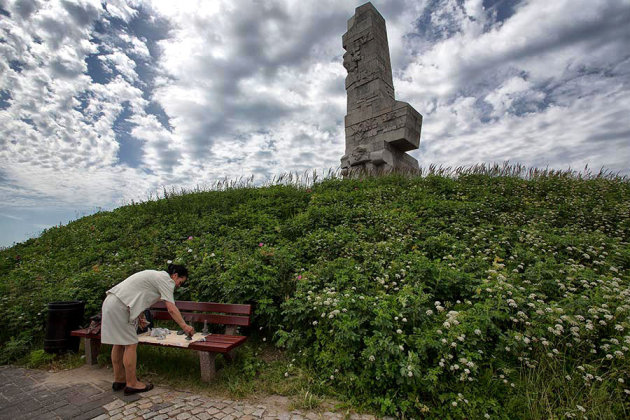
{"x":120,"y":62}
{"x":200,"y":90}
{"x":139,"y":48}
{"x":592,"y":138}
{"x":547,"y":74}
{"x":10,"y":216}
{"x":57,"y":131}
{"x":121,"y":9}
{"x":516,"y":88}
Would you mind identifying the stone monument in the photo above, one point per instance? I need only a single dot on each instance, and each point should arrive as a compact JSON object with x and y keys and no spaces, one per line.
{"x":379,"y":129}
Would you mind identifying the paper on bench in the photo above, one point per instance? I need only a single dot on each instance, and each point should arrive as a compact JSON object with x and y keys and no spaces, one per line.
{"x":171,"y":340}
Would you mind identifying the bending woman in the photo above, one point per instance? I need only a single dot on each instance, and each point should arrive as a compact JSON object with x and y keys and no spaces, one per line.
{"x":122,"y":308}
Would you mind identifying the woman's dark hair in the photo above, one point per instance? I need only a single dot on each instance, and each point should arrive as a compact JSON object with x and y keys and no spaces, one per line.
{"x":180,"y":270}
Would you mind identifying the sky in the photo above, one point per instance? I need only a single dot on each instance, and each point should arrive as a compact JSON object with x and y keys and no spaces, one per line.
{"x":102,"y":103}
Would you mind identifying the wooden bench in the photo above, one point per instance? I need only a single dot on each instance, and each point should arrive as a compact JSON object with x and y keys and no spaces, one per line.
{"x":230,"y":315}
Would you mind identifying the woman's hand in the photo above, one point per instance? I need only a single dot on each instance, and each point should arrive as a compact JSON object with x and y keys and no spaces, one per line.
{"x":188,"y":330}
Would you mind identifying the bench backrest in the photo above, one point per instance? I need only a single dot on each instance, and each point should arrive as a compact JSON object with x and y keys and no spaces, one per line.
{"x":213,"y":313}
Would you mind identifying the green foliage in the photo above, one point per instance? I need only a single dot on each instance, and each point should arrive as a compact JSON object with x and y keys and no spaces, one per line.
{"x":39,"y":358}
{"x":431,"y":296}
{"x":15,"y":348}
{"x":306,"y":401}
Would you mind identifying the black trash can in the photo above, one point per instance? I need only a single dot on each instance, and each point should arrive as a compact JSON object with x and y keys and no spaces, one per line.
{"x":63,"y":317}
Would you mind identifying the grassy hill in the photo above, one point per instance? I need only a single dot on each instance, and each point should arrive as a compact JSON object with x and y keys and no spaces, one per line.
{"x":482,"y":294}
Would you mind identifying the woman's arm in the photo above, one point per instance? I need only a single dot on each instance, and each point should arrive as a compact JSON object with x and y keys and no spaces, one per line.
{"x":177,"y":317}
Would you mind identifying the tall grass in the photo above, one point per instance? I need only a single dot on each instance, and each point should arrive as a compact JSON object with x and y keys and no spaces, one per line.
{"x":309,"y":178}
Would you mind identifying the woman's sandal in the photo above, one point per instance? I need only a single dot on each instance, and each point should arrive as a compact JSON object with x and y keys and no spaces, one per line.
{"x":119,"y":386}
{"x":130,"y":391}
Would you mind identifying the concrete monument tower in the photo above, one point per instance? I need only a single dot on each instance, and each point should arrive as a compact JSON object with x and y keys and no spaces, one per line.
{"x":379,"y":129}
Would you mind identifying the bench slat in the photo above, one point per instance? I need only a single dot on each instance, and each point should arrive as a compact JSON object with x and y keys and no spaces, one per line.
{"x":216,"y":346}
{"x":83,"y":333}
{"x":227,"y":308}
{"x":222,"y":338}
{"x":211,"y":318}
{"x":217,"y":343}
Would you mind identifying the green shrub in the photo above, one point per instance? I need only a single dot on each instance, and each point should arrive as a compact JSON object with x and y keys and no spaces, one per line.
{"x":38,"y":358}
{"x":15,"y":348}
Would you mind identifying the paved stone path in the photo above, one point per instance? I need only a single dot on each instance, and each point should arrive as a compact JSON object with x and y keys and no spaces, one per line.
{"x":85,"y":393}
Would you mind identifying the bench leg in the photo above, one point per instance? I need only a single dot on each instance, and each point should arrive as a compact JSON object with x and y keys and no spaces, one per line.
{"x":229,"y":356}
{"x":206,"y":363}
{"x":92,"y":348}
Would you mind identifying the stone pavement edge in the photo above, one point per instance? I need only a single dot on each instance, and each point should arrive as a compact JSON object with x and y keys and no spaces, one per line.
{"x":85,"y":393}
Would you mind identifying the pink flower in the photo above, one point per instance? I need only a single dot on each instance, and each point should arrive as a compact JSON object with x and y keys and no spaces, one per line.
{"x":300,"y":277}
{"x":260,"y":244}
{"x":190,"y":238}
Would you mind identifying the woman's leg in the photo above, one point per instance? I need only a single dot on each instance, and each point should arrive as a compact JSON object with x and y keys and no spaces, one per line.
{"x":129,"y":361}
{"x":117,"y":362}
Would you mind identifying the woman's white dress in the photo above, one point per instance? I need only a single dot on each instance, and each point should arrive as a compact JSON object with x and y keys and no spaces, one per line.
{"x":128,"y":299}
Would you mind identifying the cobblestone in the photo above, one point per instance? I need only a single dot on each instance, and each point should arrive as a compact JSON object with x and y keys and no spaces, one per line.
{"x":114,"y":405}
{"x":34,"y":394}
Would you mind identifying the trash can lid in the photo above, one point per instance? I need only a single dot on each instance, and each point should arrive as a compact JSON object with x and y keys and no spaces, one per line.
{"x":66,"y":304}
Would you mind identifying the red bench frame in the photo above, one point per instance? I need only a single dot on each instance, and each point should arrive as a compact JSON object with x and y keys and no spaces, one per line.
{"x":230,"y":315}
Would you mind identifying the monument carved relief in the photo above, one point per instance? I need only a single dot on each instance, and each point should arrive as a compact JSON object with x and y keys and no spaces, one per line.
{"x":379,"y":129}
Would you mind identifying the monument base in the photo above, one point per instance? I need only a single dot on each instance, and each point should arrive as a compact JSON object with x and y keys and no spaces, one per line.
{"x":377,"y":157}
